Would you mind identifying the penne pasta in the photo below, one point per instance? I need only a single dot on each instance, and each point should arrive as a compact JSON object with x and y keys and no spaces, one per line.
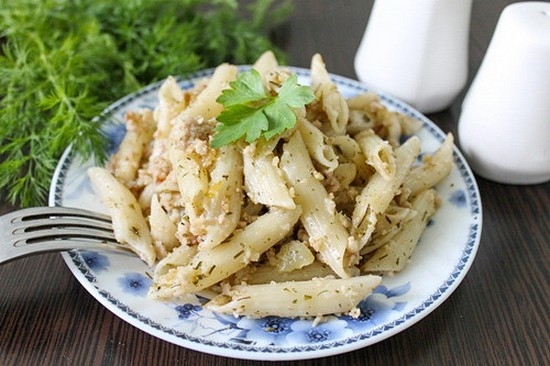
{"x":378,"y":152}
{"x":389,"y":224}
{"x":267,"y":273}
{"x":163,"y":230}
{"x":348,"y":150}
{"x":316,"y":145}
{"x":205,"y":105}
{"x":327,"y":234}
{"x":221,"y":207}
{"x":180,"y":256}
{"x":209,"y":267}
{"x":266,"y":63}
{"x":313,"y":298}
{"x":140,"y":127}
{"x":263,"y":179}
{"x":395,"y":255}
{"x":172,"y":101}
{"x":432,"y":170}
{"x":332,"y":102}
{"x":379,"y":192}
{"x":192,"y":179}
{"x":292,"y":256}
{"x":129,"y":225}
{"x":298,"y":224}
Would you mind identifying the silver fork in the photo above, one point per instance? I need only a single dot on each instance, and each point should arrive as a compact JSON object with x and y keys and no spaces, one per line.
{"x":53,"y":229}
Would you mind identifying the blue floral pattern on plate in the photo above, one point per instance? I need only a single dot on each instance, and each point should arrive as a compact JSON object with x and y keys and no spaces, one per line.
{"x":440,"y":262}
{"x":135,"y":284}
{"x":97,"y":262}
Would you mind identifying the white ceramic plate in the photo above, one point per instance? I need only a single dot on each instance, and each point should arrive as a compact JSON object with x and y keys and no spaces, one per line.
{"x":440,"y":262}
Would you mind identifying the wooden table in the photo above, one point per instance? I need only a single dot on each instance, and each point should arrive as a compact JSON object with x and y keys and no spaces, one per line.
{"x":498,"y":316}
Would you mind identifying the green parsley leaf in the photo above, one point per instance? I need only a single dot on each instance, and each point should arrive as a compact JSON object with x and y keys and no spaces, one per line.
{"x":246,"y":89}
{"x":251,"y":112}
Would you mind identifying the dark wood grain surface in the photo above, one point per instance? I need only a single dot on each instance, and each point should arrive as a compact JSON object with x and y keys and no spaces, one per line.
{"x":498,"y":316}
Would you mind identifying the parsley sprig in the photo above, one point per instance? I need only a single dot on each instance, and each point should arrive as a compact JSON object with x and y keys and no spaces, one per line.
{"x":252,"y":112}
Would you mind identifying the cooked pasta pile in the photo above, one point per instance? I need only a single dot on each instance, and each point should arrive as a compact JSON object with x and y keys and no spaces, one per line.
{"x":300,"y":225}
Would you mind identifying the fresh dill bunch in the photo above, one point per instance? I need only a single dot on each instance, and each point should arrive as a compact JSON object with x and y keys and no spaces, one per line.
{"x":227,"y":38}
{"x":62,"y":62}
{"x":47,"y":85}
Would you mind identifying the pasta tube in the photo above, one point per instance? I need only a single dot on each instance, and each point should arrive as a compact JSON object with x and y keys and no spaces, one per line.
{"x":205,"y":106}
{"x":140,"y":127}
{"x":163,"y":230}
{"x":395,"y":255}
{"x":316,"y":297}
{"x":267,"y":273}
{"x":332,"y":102}
{"x":263,"y":180}
{"x":129,"y":225}
{"x":379,"y":192}
{"x":328,"y":236}
{"x":433,"y":169}
{"x":221,"y":207}
{"x":209,"y":267}
{"x":316,"y":145}
{"x":378,"y":152}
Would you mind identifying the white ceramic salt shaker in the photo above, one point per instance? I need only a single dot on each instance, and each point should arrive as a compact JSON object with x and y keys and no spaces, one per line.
{"x":504,"y":126}
{"x":417,"y":51}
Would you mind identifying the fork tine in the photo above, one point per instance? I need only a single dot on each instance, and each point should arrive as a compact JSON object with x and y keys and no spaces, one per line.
{"x":49,"y":229}
{"x":58,"y":222}
{"x":62,"y":233}
{"x":62,"y":222}
{"x":32,"y":213}
{"x":36,"y":219}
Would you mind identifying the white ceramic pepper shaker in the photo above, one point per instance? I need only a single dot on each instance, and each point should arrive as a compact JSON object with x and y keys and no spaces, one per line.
{"x":417,"y":51}
{"x":504,"y":126}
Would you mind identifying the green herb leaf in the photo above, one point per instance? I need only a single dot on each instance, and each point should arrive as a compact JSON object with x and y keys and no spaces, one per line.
{"x":251,"y":112}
